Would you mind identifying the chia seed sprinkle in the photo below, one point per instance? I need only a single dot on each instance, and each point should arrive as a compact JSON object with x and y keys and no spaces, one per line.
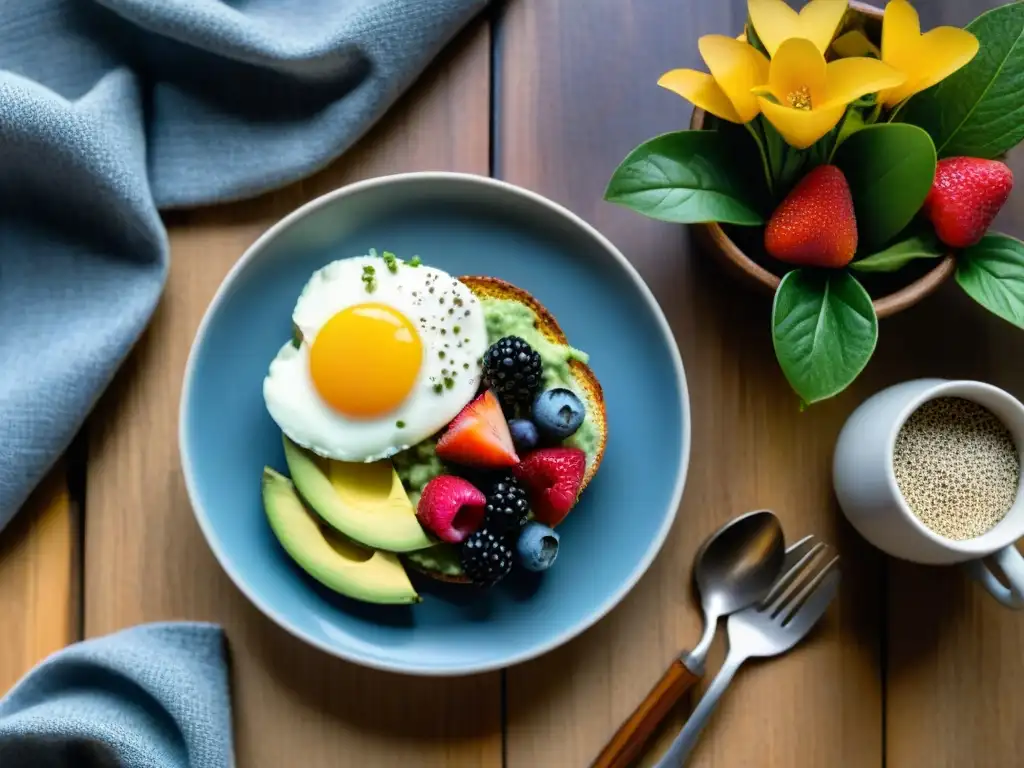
{"x":957,"y":467}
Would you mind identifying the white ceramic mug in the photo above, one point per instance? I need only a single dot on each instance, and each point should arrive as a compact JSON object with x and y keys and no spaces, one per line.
{"x":866,"y":486}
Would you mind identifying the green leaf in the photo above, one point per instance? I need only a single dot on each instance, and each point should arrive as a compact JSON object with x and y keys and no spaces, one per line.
{"x":922,"y":245}
{"x":774,"y":144}
{"x":824,"y":330}
{"x":890,"y":168}
{"x":785,"y":162}
{"x":979,"y":110}
{"x":687,"y":177}
{"x":852,"y":122}
{"x":992,"y":273}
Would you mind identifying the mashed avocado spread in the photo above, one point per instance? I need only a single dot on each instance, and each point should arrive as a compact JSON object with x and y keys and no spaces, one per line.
{"x":418,"y":465}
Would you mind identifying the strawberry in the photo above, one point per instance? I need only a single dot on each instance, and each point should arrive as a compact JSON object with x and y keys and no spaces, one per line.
{"x":479,"y":436}
{"x":552,"y":477}
{"x":966,"y":195}
{"x":451,"y":508}
{"x":815,"y":225}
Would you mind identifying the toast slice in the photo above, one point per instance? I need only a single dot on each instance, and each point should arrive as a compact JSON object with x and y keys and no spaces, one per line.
{"x":587,"y":385}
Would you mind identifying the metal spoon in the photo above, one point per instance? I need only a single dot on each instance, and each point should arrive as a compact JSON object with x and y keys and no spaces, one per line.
{"x":734,"y":568}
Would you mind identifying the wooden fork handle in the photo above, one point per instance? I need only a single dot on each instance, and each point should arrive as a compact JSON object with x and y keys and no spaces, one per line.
{"x":629,"y":740}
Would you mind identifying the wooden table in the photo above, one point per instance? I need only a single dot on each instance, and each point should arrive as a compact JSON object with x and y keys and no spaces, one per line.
{"x":913,"y":667}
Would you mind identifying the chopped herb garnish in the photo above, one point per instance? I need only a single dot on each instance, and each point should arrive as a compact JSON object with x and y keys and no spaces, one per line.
{"x":449,"y":382}
{"x":400,"y":424}
{"x":415,"y":261}
{"x":456,"y":330}
{"x":372,"y":252}
{"x":441,"y":354}
{"x":438,"y":389}
{"x":466,"y":366}
{"x":390,"y":261}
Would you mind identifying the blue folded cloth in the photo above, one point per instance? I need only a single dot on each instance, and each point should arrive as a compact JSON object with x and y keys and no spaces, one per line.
{"x":114,"y":109}
{"x":155,"y":696}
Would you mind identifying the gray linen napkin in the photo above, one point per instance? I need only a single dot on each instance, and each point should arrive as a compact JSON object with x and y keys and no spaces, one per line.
{"x":155,"y":696}
{"x":113,"y":109}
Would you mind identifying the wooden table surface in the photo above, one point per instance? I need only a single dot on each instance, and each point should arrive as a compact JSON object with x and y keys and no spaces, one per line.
{"x":913,"y":666}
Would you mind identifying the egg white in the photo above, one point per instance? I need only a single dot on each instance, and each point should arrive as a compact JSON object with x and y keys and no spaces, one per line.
{"x":436,"y":303}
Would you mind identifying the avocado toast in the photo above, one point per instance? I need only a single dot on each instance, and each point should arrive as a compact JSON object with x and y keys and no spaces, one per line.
{"x":428,"y":421}
{"x":510,"y":309}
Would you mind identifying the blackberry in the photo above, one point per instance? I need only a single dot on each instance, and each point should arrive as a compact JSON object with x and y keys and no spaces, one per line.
{"x":507,"y":505}
{"x":486,"y":556}
{"x":512,"y":369}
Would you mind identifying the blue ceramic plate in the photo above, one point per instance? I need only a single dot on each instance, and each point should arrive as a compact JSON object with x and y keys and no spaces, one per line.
{"x":464,"y":225}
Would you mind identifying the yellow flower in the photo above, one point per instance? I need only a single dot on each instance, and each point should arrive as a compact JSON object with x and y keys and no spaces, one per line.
{"x":810,"y":96}
{"x":923,"y":59}
{"x":736,"y":68}
{"x":855,"y":43}
{"x":775,"y":22}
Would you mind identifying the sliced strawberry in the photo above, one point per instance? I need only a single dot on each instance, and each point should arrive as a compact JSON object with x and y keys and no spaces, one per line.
{"x":552,"y":477}
{"x":451,"y":508}
{"x":479,"y":436}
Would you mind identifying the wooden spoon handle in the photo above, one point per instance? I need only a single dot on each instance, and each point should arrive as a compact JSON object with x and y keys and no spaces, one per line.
{"x":631,"y":737}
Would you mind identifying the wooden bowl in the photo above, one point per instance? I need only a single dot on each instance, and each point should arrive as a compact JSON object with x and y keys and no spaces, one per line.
{"x":720,"y":244}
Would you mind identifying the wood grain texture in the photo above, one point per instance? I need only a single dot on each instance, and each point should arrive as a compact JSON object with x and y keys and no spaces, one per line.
{"x":630,"y":740}
{"x":577,"y":83}
{"x":145,"y":556}
{"x":38,"y":579}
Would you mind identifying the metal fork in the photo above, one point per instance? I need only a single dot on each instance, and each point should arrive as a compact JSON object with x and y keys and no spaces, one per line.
{"x":797,"y":599}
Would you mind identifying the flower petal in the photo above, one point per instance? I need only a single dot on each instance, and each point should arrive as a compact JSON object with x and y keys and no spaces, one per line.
{"x":940,"y":53}
{"x":855,"y":43}
{"x":774,"y":21}
{"x":819,"y":20}
{"x":849,"y":79}
{"x":701,"y":89}
{"x":797,"y":66}
{"x":801,"y":127}
{"x":901,"y":29}
{"x":737,"y":67}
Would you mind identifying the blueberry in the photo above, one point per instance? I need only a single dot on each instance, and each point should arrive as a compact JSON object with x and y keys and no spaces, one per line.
{"x":558,"y":413}
{"x":524,"y":434}
{"x":537,"y":547}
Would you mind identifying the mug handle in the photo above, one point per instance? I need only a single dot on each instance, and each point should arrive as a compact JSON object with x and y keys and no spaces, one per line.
{"x":1012,"y":565}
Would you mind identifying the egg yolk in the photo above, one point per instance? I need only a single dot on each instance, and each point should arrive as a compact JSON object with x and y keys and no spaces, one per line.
{"x":365,"y":359}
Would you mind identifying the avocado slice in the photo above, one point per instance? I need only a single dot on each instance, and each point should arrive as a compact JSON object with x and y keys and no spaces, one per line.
{"x":373,"y":577}
{"x":366,"y":502}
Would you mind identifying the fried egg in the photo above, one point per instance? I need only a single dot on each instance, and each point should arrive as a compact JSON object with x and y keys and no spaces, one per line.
{"x":387,"y":354}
